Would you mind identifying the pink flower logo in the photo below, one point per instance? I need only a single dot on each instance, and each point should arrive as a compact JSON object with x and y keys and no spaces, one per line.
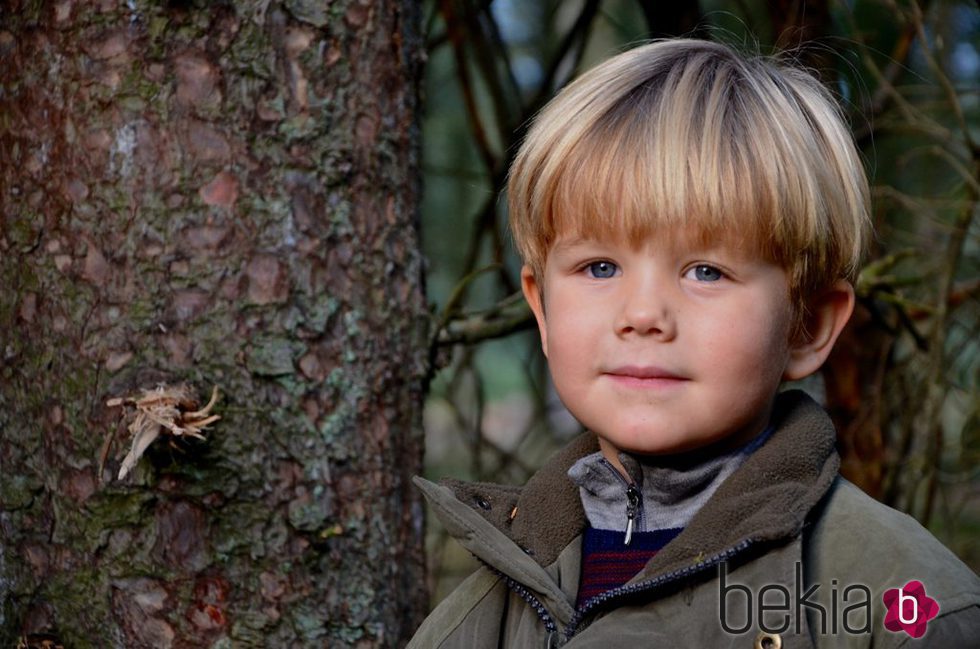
{"x":909,"y":609}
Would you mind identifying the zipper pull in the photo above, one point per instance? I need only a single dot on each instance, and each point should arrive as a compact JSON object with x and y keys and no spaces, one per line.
{"x":632,"y":506}
{"x":552,"y":640}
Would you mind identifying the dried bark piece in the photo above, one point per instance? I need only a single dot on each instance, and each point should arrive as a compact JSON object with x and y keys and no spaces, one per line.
{"x":164,"y":410}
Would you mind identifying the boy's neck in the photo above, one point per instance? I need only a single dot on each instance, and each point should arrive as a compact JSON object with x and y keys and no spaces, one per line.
{"x":688,"y":457}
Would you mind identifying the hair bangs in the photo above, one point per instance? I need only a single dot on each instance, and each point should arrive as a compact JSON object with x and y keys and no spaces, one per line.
{"x":654,"y":170}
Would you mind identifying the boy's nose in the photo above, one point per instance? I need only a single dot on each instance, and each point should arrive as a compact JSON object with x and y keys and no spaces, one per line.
{"x":647,"y":313}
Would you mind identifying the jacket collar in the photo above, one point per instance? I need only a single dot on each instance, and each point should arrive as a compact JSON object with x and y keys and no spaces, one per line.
{"x":765,"y":501}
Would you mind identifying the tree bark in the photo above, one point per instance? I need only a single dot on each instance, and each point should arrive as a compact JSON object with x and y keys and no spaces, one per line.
{"x":218,"y":194}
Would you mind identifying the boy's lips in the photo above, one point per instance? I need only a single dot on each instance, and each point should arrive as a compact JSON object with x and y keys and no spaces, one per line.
{"x":647,"y":376}
{"x":643,"y":372}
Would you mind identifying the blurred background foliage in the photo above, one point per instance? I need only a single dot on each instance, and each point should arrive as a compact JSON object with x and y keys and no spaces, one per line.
{"x":902,"y":386}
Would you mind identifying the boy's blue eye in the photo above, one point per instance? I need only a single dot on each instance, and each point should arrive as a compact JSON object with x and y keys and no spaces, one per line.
{"x":706,"y":273}
{"x":602,"y":269}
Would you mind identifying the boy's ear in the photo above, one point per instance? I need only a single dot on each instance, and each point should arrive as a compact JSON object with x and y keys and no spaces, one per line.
{"x":535,"y":298}
{"x":826,"y":317}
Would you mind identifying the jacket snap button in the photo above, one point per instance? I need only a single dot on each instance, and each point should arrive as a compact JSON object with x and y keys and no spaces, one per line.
{"x":483,"y":503}
{"x":768,"y":641}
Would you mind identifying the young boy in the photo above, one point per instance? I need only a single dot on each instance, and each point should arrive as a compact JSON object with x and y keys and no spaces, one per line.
{"x":691,"y":223}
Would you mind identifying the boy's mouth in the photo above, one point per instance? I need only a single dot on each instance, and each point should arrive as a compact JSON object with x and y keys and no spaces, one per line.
{"x":648,"y":376}
{"x":643,"y":372}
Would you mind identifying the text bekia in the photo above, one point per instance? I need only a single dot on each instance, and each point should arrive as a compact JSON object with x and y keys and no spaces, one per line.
{"x":774,"y":608}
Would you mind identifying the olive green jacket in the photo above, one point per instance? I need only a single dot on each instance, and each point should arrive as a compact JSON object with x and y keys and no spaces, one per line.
{"x":785,"y":527}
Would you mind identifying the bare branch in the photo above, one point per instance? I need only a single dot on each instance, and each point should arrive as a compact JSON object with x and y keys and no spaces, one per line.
{"x":886,"y":87}
{"x":951,"y":95}
{"x":456,"y":33}
{"x":506,"y":317}
{"x":882,"y":94}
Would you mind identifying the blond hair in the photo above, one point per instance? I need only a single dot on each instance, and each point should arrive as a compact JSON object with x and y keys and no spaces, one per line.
{"x":688,"y":133}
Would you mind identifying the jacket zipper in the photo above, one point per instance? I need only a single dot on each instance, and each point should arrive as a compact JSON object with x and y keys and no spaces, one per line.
{"x":632,"y":589}
{"x":529,"y":597}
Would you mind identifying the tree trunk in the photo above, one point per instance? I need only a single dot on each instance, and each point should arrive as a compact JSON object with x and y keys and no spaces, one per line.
{"x":217,"y":194}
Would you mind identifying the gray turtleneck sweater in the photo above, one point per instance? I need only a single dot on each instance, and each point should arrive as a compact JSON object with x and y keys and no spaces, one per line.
{"x":662,"y":492}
